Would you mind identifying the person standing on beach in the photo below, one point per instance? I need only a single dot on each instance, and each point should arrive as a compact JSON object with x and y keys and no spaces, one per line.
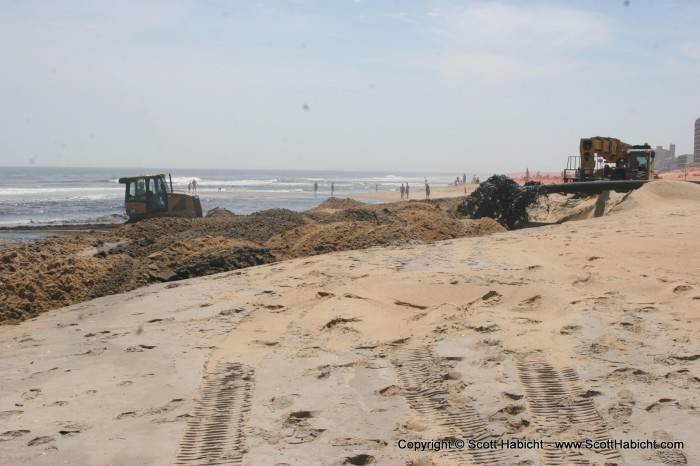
{"x":194,"y":186}
{"x":403,"y":190}
{"x":427,"y":191}
{"x":315,"y":187}
{"x":332,"y":188}
{"x":407,"y":190}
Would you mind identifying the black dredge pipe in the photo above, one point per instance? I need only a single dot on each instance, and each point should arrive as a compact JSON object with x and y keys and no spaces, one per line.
{"x":597,"y":187}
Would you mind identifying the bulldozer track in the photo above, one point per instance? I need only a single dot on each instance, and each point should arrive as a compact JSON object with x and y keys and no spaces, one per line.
{"x":557,"y":403}
{"x":215,"y":432}
{"x":420,"y":373}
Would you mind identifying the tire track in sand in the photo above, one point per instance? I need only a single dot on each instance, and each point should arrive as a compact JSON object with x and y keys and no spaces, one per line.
{"x":215,"y":432}
{"x":430,"y":391}
{"x":559,"y":405}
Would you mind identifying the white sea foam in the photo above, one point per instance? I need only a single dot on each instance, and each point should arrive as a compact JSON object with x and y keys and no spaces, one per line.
{"x":15,"y":191}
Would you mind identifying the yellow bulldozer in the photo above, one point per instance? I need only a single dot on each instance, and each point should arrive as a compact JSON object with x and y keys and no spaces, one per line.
{"x":148,"y":196}
{"x":603,"y":158}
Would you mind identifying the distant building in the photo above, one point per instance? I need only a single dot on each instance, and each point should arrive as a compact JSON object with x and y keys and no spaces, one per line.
{"x":665,"y":158}
{"x":696,"y":151}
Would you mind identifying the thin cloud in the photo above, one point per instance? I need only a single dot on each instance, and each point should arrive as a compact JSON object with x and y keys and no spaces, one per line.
{"x":498,"y":26}
{"x":495,"y":42}
{"x":691,"y":49}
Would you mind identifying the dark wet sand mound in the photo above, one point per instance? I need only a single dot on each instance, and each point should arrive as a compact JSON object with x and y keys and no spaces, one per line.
{"x":56,"y":272}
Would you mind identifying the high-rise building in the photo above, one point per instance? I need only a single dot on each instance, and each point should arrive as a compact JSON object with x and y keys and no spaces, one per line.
{"x":696,"y":151}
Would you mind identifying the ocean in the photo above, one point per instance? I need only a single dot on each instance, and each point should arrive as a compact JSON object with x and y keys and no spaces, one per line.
{"x":59,"y":196}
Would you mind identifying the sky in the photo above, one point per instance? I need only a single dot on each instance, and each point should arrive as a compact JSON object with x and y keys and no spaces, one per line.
{"x":397,"y":85}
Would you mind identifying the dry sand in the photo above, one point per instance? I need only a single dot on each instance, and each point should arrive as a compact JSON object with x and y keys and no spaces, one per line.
{"x":583,"y":330}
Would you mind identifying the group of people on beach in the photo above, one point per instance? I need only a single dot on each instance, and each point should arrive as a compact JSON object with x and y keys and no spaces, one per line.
{"x":316,"y":188}
{"x":460,"y":180}
{"x":193,"y":186}
{"x":406,"y":190}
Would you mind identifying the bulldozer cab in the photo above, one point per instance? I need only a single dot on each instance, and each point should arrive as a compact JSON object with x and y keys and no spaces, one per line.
{"x":145,"y":195}
{"x":640,"y":163}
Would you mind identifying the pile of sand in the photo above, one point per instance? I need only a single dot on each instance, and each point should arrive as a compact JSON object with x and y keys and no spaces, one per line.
{"x":57,"y":272}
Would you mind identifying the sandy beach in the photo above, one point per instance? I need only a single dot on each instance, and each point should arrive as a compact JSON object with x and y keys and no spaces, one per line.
{"x":574,"y":331}
{"x":416,"y":193}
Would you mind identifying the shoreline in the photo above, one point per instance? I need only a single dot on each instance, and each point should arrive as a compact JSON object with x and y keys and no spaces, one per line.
{"x":389,"y":195}
{"x":440,"y":192}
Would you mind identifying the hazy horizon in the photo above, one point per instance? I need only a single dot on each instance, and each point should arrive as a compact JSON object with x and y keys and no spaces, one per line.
{"x":403,"y":86}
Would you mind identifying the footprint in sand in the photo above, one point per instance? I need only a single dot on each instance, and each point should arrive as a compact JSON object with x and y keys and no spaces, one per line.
{"x":525,"y":320}
{"x":414,"y":306}
{"x":139,"y":348}
{"x":670,"y":457}
{"x":492,"y":297}
{"x":391,"y":390}
{"x":628,"y":373}
{"x":10,"y":413}
{"x":360,"y":460}
{"x":276,"y":308}
{"x":489,"y":299}
{"x":622,"y":409}
{"x":40,"y":441}
{"x":530,"y":303}
{"x":31,"y":394}
{"x":514,"y":416}
{"x":680,"y":378}
{"x":489,"y":328}
{"x":297,"y":429}
{"x":662,"y":404}
{"x":680,"y":289}
{"x":582,"y":280}
{"x":569,"y":329}
{"x":12,"y":434}
{"x":58,"y":403}
{"x":339,"y":321}
{"x":282,"y":402}
{"x":73,"y":429}
{"x":676,"y":358}
{"x":320,"y":372}
{"x":93,"y":352}
{"x":169,"y":406}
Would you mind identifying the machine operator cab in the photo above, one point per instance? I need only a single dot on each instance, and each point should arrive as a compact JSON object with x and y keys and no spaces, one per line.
{"x":147,"y":196}
{"x":641,"y":162}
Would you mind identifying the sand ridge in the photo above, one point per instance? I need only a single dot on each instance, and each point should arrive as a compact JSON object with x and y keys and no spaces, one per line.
{"x":585,"y":329}
{"x":50,"y":273}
